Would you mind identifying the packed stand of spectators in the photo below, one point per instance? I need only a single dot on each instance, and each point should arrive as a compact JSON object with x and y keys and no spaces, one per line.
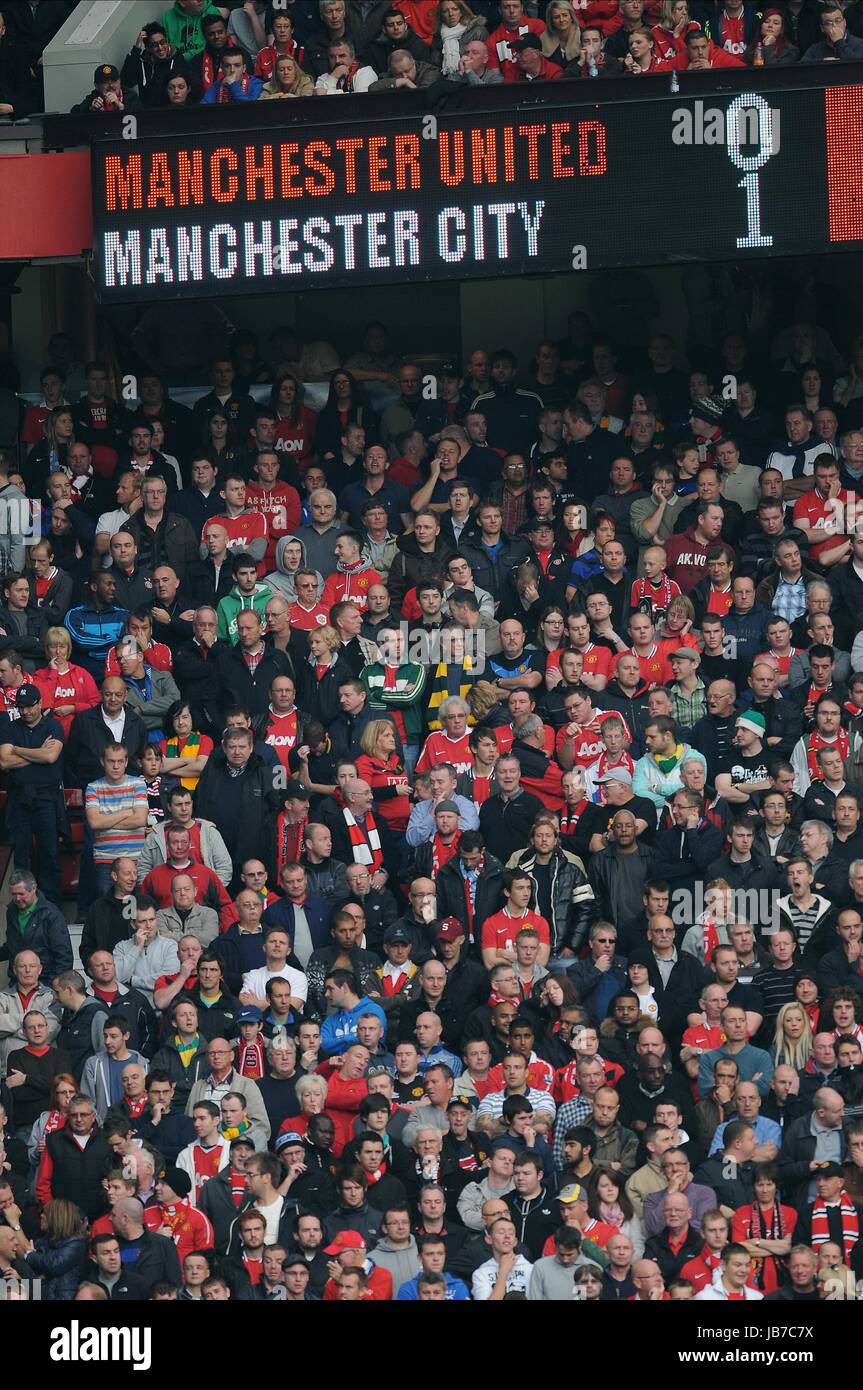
{"x":463,"y":805}
{"x":198,"y":52}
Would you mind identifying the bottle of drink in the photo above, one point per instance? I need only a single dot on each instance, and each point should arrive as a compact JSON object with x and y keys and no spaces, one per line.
{"x":592,"y":69}
{"x":758,"y":61}
{"x":675,"y":82}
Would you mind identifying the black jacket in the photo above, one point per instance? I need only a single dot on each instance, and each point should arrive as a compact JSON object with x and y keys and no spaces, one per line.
{"x":198,"y":677}
{"x":505,"y":825}
{"x":573,"y":904}
{"x":451,"y":898}
{"x":105,"y":926}
{"x":319,"y":699}
{"x":46,"y":934}
{"x":241,"y":687}
{"x":411,"y":564}
{"x":149,"y":76}
{"x":679,"y":996}
{"x":76,"y":1033}
{"x":77,"y":1174}
{"x":671,"y":1263}
{"x":257,"y":797}
{"x":535,"y":1219}
{"x":171,"y":1135}
{"x":491,"y":574}
{"x":157,"y":1261}
{"x":201,"y":577}
{"x":215,"y":1020}
{"x":342,"y":847}
{"x":140,"y":1017}
{"x":168,"y":1059}
{"x":216,"y":1202}
{"x":88,"y":737}
{"x":795,"y":1156}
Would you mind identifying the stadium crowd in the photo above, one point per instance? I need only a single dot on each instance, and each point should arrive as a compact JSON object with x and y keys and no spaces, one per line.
{"x":198,"y":52}
{"x":462,"y":802}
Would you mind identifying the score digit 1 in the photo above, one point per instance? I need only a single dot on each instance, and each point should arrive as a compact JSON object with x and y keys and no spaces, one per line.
{"x":750,"y":164}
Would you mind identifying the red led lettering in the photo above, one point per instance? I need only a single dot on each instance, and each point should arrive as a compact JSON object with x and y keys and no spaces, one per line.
{"x":291,"y":184}
{"x":508,"y":154}
{"x":378,"y":182}
{"x":224,"y":192}
{"x":123,"y":185}
{"x":349,"y":150}
{"x":483,"y":155}
{"x":531,"y":134}
{"x":160,"y":181}
{"x":451,"y":157}
{"x":560,"y":151}
{"x":190,"y":178}
{"x":259,"y":173}
{"x":592,"y":157}
{"x":407,"y":161}
{"x":316,"y":151}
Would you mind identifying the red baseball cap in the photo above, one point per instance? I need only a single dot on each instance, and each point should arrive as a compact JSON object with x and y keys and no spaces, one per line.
{"x":345,"y":1240}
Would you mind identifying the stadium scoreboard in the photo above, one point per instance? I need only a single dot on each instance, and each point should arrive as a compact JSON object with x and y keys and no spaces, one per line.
{"x":552,"y":188}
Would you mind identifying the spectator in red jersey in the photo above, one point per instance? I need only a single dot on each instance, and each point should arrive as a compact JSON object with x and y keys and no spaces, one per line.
{"x":703,"y":55}
{"x":66,"y":689}
{"x":53,"y":384}
{"x":246,"y":527}
{"x":642,"y":56}
{"x":296,"y":423}
{"x":283,"y":45}
{"x":513,"y":26}
{"x":209,"y":891}
{"x":674,"y":24}
{"x":531,"y":63}
{"x":278,"y":501}
{"x":732,"y":26}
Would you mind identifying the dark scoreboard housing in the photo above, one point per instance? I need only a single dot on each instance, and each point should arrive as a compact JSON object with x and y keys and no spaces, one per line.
{"x":238,"y":205}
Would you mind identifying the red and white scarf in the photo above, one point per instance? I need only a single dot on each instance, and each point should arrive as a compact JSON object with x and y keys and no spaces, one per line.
{"x":441,"y":853}
{"x":225,"y":94}
{"x":365,"y":841}
{"x":572,"y":815}
{"x":820,"y":1225}
{"x":250,"y":1060}
{"x":290,"y":839}
{"x":658,"y":596}
{"x":709,"y":938}
{"x":816,"y":741}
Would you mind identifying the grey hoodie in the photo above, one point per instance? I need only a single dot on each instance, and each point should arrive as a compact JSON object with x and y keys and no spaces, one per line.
{"x":281,"y":580}
{"x":96,"y":1079}
{"x":402,"y":1264}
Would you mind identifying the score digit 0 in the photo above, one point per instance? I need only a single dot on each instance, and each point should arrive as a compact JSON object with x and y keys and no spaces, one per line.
{"x":750,"y":164}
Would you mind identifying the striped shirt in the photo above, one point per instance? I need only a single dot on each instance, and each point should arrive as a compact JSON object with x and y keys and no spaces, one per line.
{"x":776,"y":987}
{"x":109,"y":798}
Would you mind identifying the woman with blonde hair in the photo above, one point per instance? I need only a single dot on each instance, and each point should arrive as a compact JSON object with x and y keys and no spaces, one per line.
{"x":379,"y":765}
{"x":321,"y":674}
{"x":66,"y":689}
{"x":792,"y":1041}
{"x":677,"y":623}
{"x":288,"y":80}
{"x":455,"y":26}
{"x":51,"y":452}
{"x":674,"y":24}
{"x":311,"y":1092}
{"x":561,"y":42}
